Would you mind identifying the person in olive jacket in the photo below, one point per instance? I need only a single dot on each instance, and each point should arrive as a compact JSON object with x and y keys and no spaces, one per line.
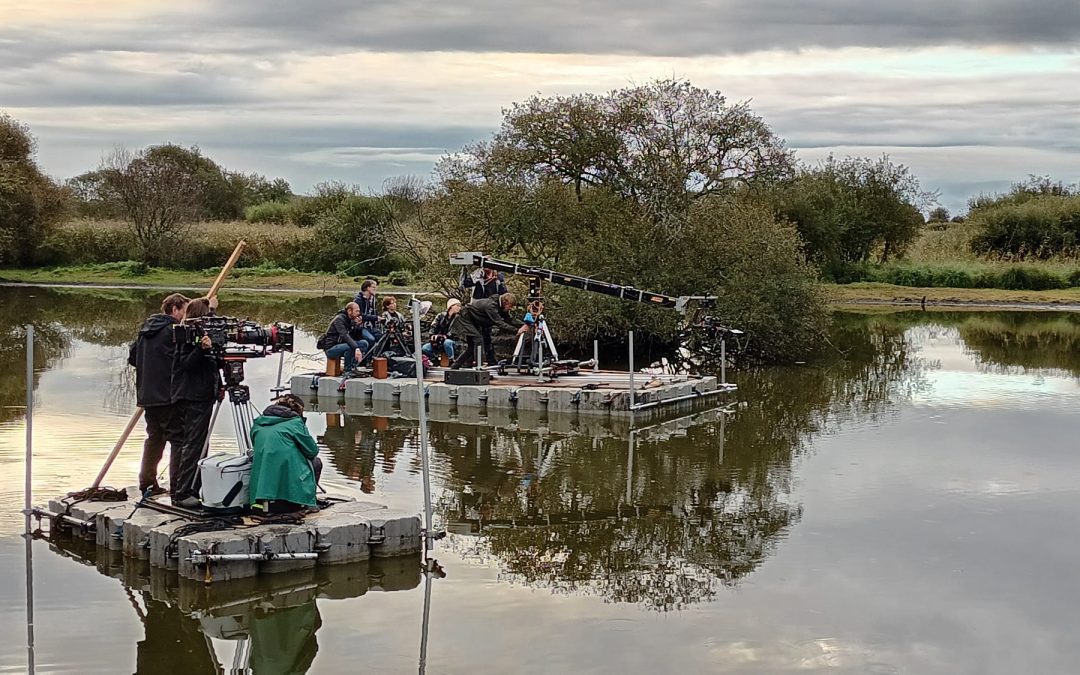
{"x":196,"y":386}
{"x":286,"y":466}
{"x":476,"y":320}
{"x":152,"y":355}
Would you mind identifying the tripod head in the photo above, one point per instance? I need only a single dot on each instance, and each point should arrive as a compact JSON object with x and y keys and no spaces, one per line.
{"x":232,"y":370}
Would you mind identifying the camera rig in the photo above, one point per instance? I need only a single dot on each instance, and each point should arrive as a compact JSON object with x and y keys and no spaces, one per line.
{"x":232,"y":337}
{"x":703,"y":330}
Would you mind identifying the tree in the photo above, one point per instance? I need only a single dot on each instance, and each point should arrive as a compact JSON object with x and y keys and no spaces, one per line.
{"x":158,"y":193}
{"x":30,"y":202}
{"x":938,"y":214}
{"x":852,"y":209}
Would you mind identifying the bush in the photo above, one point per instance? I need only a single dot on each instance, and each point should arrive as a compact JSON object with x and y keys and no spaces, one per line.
{"x":1008,"y":277}
{"x":399,"y":278}
{"x":1038,"y":227}
{"x":276,"y":213}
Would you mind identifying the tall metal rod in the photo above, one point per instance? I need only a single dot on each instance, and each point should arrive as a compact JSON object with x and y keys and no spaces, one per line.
{"x":596,"y":356}
{"x":427,"y":617}
{"x":540,"y":362}
{"x":723,"y":361}
{"x":630,"y":470}
{"x":479,"y":356}
{"x":28,"y":499}
{"x":422,"y":406}
{"x":280,"y":367}
{"x":633,"y":396}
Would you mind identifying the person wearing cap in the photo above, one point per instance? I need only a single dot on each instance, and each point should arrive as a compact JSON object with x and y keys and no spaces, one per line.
{"x":440,"y":332}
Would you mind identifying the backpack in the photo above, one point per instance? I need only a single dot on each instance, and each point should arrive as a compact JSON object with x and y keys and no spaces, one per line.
{"x":324,"y":342}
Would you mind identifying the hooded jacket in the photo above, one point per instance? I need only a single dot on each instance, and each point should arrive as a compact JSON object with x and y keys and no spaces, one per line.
{"x":195,"y":372}
{"x":281,"y":468}
{"x":479,"y":316}
{"x":152,"y":355}
{"x":341,"y":329}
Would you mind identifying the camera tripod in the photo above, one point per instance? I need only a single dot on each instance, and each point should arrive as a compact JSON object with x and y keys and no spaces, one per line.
{"x":239,"y":396}
{"x":534,"y":361}
{"x":389,"y":340}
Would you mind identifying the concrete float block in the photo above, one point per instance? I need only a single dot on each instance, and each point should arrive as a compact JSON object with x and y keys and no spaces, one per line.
{"x":442,"y":394}
{"x":399,"y":532}
{"x":346,"y":535}
{"x":501,"y":397}
{"x":328,"y":388}
{"x":385,"y":390}
{"x":160,"y":537}
{"x":109,"y":526}
{"x":285,"y":539}
{"x":358,"y":388}
{"x":563,"y":400}
{"x":706,"y":384}
{"x":472,"y":397}
{"x":596,"y":401}
{"x":226,"y":541}
{"x":408,"y":392}
{"x":533,"y":398}
{"x":301,"y":385}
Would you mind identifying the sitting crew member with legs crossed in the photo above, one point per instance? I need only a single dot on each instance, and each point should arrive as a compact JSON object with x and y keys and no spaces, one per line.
{"x":478,"y":317}
{"x":440,"y":339}
{"x":286,"y":467}
{"x":339,"y":338}
{"x":152,"y":355}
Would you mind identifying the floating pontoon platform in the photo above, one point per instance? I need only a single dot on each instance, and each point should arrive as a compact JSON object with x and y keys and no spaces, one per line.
{"x":342,"y":533}
{"x":603,"y":392}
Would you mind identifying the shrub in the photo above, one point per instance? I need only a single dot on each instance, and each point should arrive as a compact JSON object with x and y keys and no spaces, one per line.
{"x":276,"y":213}
{"x":1039,"y":227}
{"x":398,"y":278}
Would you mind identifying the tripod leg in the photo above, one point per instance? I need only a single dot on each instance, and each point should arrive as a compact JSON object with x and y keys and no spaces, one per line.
{"x":550,"y":341}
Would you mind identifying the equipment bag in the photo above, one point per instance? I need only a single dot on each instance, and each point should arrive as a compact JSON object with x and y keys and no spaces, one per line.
{"x":225,"y":477}
{"x":403,"y":366}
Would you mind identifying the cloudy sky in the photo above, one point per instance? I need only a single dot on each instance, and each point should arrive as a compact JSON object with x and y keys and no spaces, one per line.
{"x":971,"y":94}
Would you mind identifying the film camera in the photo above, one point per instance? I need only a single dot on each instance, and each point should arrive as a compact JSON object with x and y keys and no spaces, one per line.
{"x":239,"y":337}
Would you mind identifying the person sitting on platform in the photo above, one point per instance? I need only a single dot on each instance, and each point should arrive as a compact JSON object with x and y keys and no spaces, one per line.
{"x":440,"y":339}
{"x":477,"y":318}
{"x":369,"y":313}
{"x":285,"y":469}
{"x":339,"y":338}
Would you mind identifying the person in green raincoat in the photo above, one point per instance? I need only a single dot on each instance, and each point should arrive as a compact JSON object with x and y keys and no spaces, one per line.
{"x":286,"y":466}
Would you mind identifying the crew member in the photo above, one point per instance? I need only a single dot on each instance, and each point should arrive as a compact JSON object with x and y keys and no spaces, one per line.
{"x":477,"y":318}
{"x":196,"y":386}
{"x":440,"y":339}
{"x":339,"y":338}
{"x":365,"y":299}
{"x":286,"y":466}
{"x":485,"y":283}
{"x":152,"y":354}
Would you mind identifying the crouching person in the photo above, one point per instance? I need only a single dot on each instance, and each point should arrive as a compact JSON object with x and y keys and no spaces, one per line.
{"x":341,"y":335}
{"x":286,"y":466}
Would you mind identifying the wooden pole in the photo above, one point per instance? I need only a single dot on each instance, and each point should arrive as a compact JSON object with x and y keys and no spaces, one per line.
{"x":135,"y":416}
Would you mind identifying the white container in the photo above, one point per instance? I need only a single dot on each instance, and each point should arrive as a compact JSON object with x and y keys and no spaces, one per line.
{"x":225,"y":479}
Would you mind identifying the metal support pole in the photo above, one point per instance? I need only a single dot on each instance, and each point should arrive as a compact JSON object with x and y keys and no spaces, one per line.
{"x":540,"y":358}
{"x":426,"y":618}
{"x":280,"y":367}
{"x":723,"y":361}
{"x":479,"y":356}
{"x":28,"y":499}
{"x":633,"y":396}
{"x":422,"y":406}
{"x":630,"y":471}
{"x":596,"y":356}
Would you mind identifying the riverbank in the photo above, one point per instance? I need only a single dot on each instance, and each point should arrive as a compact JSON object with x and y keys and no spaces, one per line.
{"x":256,"y":279}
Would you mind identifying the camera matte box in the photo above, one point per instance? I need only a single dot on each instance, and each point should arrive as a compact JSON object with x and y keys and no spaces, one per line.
{"x":467,"y":377}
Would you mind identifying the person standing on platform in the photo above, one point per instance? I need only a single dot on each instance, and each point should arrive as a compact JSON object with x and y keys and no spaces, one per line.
{"x":477,"y":319}
{"x":152,"y":355}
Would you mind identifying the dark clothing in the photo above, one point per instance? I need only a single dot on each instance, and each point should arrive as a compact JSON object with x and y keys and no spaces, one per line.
{"x":163,"y":423}
{"x":369,"y":310}
{"x":152,"y":355}
{"x":340,"y":330}
{"x":195,"y":373}
{"x":183,"y":466}
{"x":473,"y":325}
{"x":485,"y":288}
{"x":441,"y":324}
{"x":480,"y":315}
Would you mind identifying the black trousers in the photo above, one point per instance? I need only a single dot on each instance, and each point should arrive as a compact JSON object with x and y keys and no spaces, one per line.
{"x":163,"y":425}
{"x":183,"y":466}
{"x":467,"y":357}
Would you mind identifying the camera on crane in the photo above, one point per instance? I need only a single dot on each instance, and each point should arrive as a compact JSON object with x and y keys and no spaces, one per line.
{"x":234,"y":337}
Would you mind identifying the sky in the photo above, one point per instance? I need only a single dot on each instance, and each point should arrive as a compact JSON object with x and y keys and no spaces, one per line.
{"x":971,"y":95}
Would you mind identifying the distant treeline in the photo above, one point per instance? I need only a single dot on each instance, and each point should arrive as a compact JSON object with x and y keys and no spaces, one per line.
{"x":664,"y":186}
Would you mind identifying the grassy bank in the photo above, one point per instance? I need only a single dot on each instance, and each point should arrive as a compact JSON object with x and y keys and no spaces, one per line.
{"x":128,"y":274}
{"x":868,"y":292}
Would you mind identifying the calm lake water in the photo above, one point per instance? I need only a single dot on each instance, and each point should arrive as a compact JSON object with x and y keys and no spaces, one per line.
{"x":908,"y":505}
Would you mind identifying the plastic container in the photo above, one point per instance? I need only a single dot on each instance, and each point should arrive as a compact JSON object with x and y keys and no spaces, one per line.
{"x":380,"y":368}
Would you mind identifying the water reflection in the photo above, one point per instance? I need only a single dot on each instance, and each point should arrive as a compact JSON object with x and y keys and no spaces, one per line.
{"x":268,"y":624}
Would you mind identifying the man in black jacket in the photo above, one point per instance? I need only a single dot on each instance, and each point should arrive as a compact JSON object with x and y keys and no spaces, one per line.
{"x":476,"y":320}
{"x":338,"y":340}
{"x":369,"y":310}
{"x":152,"y":355}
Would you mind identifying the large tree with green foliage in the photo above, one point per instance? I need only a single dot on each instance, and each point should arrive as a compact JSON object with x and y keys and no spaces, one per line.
{"x":30,"y":202}
{"x":853,"y":209}
{"x":650,"y":185}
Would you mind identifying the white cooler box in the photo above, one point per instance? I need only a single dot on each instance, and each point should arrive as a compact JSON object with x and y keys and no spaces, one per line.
{"x":225,"y":477}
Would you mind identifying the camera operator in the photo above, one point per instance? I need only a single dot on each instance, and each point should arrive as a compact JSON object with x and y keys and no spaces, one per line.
{"x":485,"y":283}
{"x":286,"y":466}
{"x":339,"y":339}
{"x":440,"y":339}
{"x":196,"y":386}
{"x":477,"y":319}
{"x":366,"y":301}
{"x":152,"y":354}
